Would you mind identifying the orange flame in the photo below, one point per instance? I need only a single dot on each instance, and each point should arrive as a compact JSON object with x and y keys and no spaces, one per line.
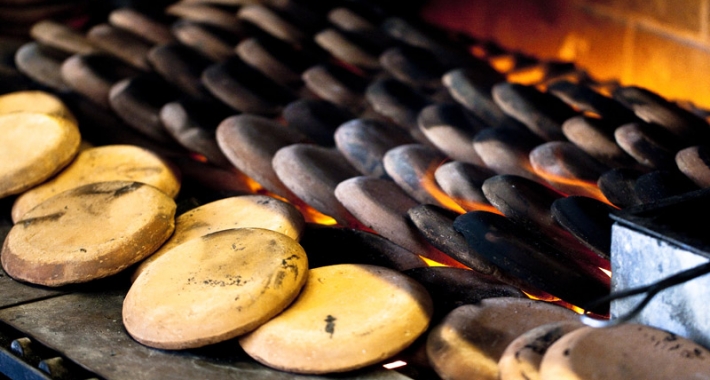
{"x":554,"y":300}
{"x":428,"y":183}
{"x":528,"y":75}
{"x":572,"y":186}
{"x":432,"y":263}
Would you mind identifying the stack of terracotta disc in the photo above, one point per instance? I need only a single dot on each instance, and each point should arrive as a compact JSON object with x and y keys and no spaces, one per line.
{"x":62,"y":194}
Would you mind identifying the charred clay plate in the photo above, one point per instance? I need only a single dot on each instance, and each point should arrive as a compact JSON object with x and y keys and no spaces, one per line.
{"x":332,"y":326}
{"x":214,"y":288}
{"x":89,"y":232}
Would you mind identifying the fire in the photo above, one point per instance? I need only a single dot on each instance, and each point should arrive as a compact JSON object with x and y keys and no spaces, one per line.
{"x":607,"y":272}
{"x":528,"y":76}
{"x":198,"y":157}
{"x":432,"y":263}
{"x":554,"y":300}
{"x":574,"y":186}
{"x":428,"y":182}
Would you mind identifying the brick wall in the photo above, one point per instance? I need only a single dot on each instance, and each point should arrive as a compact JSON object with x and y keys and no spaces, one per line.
{"x":663,"y":45}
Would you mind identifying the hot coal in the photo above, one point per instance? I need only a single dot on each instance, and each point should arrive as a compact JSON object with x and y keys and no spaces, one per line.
{"x":618,"y":186}
{"x":649,"y":144}
{"x":317,"y":119}
{"x":694,"y":162}
{"x":472,"y":87}
{"x":567,"y":168}
{"x":93,"y":75}
{"x":212,"y":42}
{"x":250,"y":143}
{"x":326,"y":245}
{"x":312,"y":172}
{"x":42,"y":65}
{"x":364,"y":143}
{"x":412,"y":167}
{"x":245,"y":89}
{"x":541,"y":112}
{"x":655,"y":109}
{"x":122,"y":44}
{"x":398,"y":102}
{"x":451,"y":128}
{"x":193,"y":123}
{"x":584,"y":98}
{"x":462,"y":182}
{"x":138,"y":101}
{"x":453,"y":287}
{"x":150,"y":29}
{"x":660,"y":184}
{"x":507,"y":151}
{"x":220,"y":16}
{"x":588,"y":220}
{"x":276,"y":59}
{"x":382,"y":206}
{"x":181,"y":66}
{"x":337,"y":85}
{"x":596,"y":138}
{"x":414,"y":66}
{"x":523,"y":256}
{"x":436,"y":224}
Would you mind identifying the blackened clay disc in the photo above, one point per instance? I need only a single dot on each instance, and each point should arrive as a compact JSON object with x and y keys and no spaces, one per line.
{"x":628,"y":351}
{"x":214,"y":288}
{"x":89,"y":232}
{"x":521,"y":359}
{"x":333,"y":326}
{"x":33,"y":147}
{"x":104,"y":163}
{"x":253,"y":211}
{"x":468,"y":343}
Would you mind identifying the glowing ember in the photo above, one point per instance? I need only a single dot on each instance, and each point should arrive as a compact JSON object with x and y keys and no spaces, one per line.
{"x":428,"y":183}
{"x":607,"y":272}
{"x":432,"y":263}
{"x":528,"y":76}
{"x":198,"y":157}
{"x":574,"y":186}
{"x":395,"y":364}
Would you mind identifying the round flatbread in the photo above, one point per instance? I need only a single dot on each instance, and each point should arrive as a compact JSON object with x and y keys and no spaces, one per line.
{"x":214,"y":288}
{"x":101,"y":164}
{"x":87,"y":233}
{"x":348,"y":316}
{"x":256,"y":211}
{"x":33,"y":147}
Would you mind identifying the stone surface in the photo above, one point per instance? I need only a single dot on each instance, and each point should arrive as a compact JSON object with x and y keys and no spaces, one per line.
{"x":596,"y":138}
{"x":231,"y":281}
{"x":41,"y":64}
{"x":92,"y":75}
{"x":541,"y":112}
{"x":585,"y":98}
{"x":660,"y":184}
{"x":135,"y":220}
{"x":245,"y":89}
{"x":347,"y":48}
{"x":472,"y":89}
{"x":412,"y":167}
{"x":122,"y":44}
{"x":34,"y":146}
{"x":507,"y":151}
{"x":462,"y":182}
{"x":317,"y":119}
{"x":382,"y":206}
{"x":247,"y":211}
{"x":364,"y":143}
{"x":334,"y":323}
{"x":693,"y":162}
{"x":468,"y":343}
{"x":272,"y":23}
{"x":414,"y":66}
{"x":147,"y":27}
{"x":212,"y":42}
{"x":35,"y":101}
{"x":181,"y":66}
{"x":192,"y":123}
{"x":210,"y":14}
{"x":398,"y":102}
{"x":250,"y":143}
{"x":100,"y":164}
{"x":312,"y":173}
{"x":624,"y":352}
{"x":62,"y":37}
{"x":649,"y":144}
{"x":588,"y":220}
{"x":276,"y":59}
{"x":451,"y":128}
{"x":337,"y":85}
{"x":531,"y":260}
{"x":618,"y":186}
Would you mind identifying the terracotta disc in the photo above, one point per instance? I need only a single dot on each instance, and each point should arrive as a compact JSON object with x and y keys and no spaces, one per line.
{"x":100,"y":164}
{"x":89,"y":232}
{"x":628,"y":351}
{"x":257,"y":211}
{"x":214,"y":288}
{"x":521,"y":359}
{"x":33,"y":147}
{"x":333,"y":326}
{"x":470,"y":340}
{"x":35,"y":101}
